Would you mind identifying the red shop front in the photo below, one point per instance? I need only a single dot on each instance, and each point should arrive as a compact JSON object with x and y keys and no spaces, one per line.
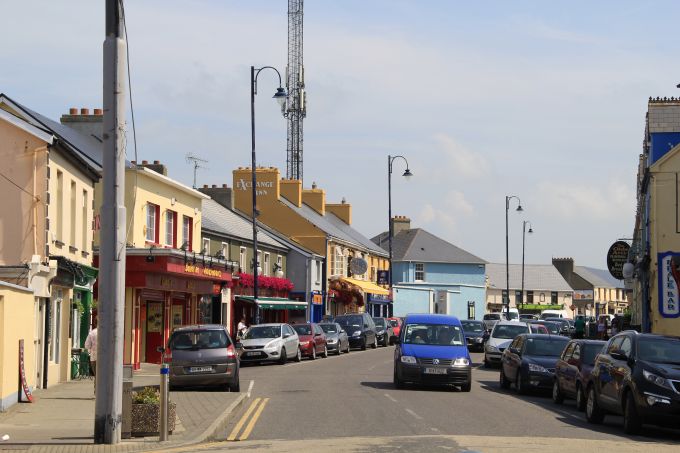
{"x":165,"y":290}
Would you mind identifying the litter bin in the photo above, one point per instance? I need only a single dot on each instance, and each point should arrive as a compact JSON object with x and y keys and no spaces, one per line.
{"x":126,"y":432}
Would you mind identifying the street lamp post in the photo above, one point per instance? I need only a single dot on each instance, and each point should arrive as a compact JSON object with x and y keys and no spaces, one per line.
{"x":407,"y":174}
{"x":524,"y":231}
{"x":507,"y":252}
{"x":280,"y":96}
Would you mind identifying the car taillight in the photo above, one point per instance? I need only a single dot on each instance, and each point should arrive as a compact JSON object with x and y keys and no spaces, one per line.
{"x":231,"y":352}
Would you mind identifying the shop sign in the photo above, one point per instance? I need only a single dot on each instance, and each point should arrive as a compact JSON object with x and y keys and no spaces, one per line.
{"x":617,"y":256}
{"x":317,"y":299}
{"x":383,"y":277}
{"x":378,"y":299}
{"x":199,"y":270}
{"x":261,"y":186}
{"x":669,"y":280}
{"x":171,"y":283}
{"x":583,"y":294}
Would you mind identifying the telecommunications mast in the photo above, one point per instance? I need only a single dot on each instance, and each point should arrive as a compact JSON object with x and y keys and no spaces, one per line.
{"x":295,"y":85}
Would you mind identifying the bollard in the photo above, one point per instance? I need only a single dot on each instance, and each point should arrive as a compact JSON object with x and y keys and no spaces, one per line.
{"x":165,"y":374}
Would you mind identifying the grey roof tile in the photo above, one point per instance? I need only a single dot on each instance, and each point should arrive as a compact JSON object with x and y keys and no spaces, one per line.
{"x":598,"y":277}
{"x":417,"y":244}
{"x":543,"y":277}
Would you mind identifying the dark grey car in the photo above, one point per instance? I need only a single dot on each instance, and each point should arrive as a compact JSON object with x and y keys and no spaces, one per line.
{"x":336,"y":337}
{"x":203,"y":355}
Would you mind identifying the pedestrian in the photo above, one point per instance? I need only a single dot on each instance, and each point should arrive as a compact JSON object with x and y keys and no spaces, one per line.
{"x":606,"y":329}
{"x":579,"y":327}
{"x":91,"y":346}
{"x":600,"y":328}
{"x":615,"y":325}
{"x":241,"y":328}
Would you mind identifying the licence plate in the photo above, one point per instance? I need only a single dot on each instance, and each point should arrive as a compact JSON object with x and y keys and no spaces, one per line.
{"x":200,"y":369}
{"x":435,"y":370}
{"x":251,"y":353}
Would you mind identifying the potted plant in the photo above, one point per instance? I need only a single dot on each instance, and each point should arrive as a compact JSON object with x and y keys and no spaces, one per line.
{"x":146,"y":412}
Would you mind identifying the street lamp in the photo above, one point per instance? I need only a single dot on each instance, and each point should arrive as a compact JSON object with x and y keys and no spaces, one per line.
{"x":407,"y":174}
{"x":507,"y":252}
{"x":280,"y":97}
{"x":524,"y":231}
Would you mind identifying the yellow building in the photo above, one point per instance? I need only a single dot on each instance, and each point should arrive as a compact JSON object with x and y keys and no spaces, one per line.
{"x":324,"y":228}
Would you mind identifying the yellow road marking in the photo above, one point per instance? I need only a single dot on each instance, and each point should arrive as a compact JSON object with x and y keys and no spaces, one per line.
{"x":253,"y":420}
{"x":242,"y":422}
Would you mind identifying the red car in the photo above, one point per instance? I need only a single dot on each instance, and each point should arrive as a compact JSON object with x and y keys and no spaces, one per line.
{"x":312,"y":340}
{"x":396,"y":326}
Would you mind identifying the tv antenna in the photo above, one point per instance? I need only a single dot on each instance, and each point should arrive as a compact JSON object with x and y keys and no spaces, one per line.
{"x":197,"y":161}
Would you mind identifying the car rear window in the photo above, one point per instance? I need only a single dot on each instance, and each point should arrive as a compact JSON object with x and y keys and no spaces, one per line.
{"x":394,"y":323}
{"x":472,"y":326}
{"x":492,"y":316}
{"x":354,"y":321}
{"x":506,"y":331}
{"x":303,"y":329}
{"x":545,"y":347}
{"x":199,"y":339}
{"x":329,"y":328}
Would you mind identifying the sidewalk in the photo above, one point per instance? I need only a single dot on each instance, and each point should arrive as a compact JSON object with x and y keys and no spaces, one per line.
{"x":62,"y":418}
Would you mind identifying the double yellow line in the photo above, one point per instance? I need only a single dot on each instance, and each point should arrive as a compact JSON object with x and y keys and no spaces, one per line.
{"x":256,"y":408}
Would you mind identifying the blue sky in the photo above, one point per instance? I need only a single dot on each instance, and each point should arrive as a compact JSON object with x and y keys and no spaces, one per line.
{"x":544,"y":100}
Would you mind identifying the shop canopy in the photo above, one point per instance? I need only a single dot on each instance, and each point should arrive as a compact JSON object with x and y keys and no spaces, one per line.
{"x":367,"y":287}
{"x":276,"y":303}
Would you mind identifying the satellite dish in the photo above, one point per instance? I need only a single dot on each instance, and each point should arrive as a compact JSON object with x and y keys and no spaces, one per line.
{"x":358,"y":266}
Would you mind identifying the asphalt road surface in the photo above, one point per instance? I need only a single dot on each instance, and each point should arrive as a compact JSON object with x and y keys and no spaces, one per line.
{"x":348,"y":403}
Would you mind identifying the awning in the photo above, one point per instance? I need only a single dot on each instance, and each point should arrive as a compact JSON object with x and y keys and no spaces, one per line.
{"x":368,"y":287}
{"x":275,"y":303}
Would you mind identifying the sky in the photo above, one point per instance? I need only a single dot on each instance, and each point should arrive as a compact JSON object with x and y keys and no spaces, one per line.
{"x":542,"y":100}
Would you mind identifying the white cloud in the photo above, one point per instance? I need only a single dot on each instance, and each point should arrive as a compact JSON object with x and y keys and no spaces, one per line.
{"x":462,"y":161}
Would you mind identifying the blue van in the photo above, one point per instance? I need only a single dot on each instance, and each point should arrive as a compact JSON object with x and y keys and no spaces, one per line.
{"x":431,"y":349}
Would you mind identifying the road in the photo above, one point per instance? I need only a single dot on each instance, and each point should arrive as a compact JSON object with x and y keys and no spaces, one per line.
{"x":348,"y":403}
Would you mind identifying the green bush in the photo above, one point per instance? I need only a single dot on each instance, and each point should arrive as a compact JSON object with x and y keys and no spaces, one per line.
{"x":148,"y":395}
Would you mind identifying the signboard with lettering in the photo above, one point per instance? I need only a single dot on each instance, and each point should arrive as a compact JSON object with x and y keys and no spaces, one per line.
{"x":583,"y":294}
{"x":617,"y":256}
{"x":22,"y":374}
{"x":669,"y":280}
{"x":383,"y":277}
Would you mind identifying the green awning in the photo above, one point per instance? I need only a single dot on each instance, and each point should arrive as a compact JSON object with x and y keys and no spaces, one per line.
{"x":275,"y":303}
{"x":540,"y":307}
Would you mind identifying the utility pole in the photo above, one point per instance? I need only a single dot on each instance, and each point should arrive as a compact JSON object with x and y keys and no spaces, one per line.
{"x":109,"y":389}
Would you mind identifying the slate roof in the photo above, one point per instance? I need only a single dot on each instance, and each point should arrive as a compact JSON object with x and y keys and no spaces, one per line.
{"x":335,"y":227}
{"x":218,"y":219}
{"x":598,"y":277}
{"x":543,"y":277}
{"x":86,"y":148}
{"x":417,"y":244}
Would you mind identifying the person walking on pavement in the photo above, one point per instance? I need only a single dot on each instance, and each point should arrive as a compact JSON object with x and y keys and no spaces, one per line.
{"x":579,"y":327}
{"x":600,"y":328}
{"x":241,"y":328}
{"x":91,"y":346}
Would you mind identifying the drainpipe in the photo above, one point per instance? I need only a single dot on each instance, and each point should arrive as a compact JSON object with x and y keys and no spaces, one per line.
{"x":308,"y":288}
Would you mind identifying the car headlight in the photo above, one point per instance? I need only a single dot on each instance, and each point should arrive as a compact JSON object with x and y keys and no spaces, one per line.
{"x":658,"y":380}
{"x":304,"y":343}
{"x":461,"y":361}
{"x":537,"y":368}
{"x":356,"y":333}
{"x":491,"y":348}
{"x":408,"y":359}
{"x":381,"y":332}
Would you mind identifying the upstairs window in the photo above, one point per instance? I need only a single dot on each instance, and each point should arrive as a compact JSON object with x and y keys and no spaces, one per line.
{"x":242,"y":261}
{"x":152,"y":222}
{"x":171,"y":228}
{"x":187,"y":232}
{"x":420,"y":272}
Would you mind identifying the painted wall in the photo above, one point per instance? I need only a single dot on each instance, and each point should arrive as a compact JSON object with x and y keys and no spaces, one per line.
{"x":412,"y":300}
{"x":234,"y":252}
{"x":494,"y":296}
{"x":17,"y":308}
{"x":447,"y":273}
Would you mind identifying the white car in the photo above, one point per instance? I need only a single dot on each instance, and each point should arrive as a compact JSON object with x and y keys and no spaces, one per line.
{"x":270,"y":343}
{"x":501,"y":336}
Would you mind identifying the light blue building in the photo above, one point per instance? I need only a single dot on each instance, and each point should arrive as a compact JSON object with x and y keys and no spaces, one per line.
{"x":431,"y":275}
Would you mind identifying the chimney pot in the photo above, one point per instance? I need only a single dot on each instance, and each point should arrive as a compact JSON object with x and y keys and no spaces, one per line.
{"x":314,"y":185}
{"x":133,"y":162}
{"x":224,"y":186}
{"x":73,"y":111}
{"x":156,"y":162}
{"x":145,"y":162}
{"x":205,"y":186}
{"x":84,"y":111}
{"x":214,"y":186}
{"x":98,"y":112}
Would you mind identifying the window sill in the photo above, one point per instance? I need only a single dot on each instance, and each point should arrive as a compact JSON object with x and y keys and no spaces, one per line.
{"x":72,"y":249}
{"x":58,"y":243}
{"x":84,"y":254}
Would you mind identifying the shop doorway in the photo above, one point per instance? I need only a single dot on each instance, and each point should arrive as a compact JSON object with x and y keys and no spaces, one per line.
{"x":177,"y":318}
{"x":154,"y":331}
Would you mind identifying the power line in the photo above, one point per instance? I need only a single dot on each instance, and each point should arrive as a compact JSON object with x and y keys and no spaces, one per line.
{"x":20,"y":188}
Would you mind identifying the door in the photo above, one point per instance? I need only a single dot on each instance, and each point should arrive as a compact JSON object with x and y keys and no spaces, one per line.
{"x":606,"y":378}
{"x":620,"y":369}
{"x":154,"y":331}
{"x":291,"y":342}
{"x":177,"y":314}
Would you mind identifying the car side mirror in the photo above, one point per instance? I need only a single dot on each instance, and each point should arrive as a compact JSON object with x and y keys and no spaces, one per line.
{"x":619,"y":355}
{"x":342,"y":330}
{"x":286,"y":335}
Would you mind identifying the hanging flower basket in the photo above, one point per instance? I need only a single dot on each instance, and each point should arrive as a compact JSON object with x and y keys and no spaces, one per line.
{"x":274,"y":283}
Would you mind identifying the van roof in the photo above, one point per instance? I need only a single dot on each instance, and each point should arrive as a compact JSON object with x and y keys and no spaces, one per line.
{"x":432,"y":319}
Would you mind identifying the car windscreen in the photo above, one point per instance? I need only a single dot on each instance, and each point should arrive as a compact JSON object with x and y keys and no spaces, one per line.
{"x":513,"y":315}
{"x":379,"y":322}
{"x":492,"y":316}
{"x":350,"y":321}
{"x":433,"y":334}
{"x":589,"y":352}
{"x":544,"y":347}
{"x":329,"y":328}
{"x":659,"y":350}
{"x":303,"y":329}
{"x":469,"y":326}
{"x":261,"y":332}
{"x":394,"y":322}
{"x":198,"y":339}
{"x":505,"y":331}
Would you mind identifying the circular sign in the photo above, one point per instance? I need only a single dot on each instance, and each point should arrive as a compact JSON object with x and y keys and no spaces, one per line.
{"x":617,"y":256}
{"x":358,"y":266}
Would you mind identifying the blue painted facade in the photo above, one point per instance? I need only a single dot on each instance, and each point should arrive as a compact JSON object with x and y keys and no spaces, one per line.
{"x":660,"y":143}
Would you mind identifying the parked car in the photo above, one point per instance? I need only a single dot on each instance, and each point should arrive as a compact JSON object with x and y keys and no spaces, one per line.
{"x":565,"y":326}
{"x":637,"y":376}
{"x":270,"y":342}
{"x":490,"y":319}
{"x":396,"y":327}
{"x":474,"y":334}
{"x":431,"y":350}
{"x":384,"y":331}
{"x":573,"y":370}
{"x":529,"y":362}
{"x":203,"y":355}
{"x":538,"y":328}
{"x":312,"y":340}
{"x":501,"y":336}
{"x":553,"y":327}
{"x":336,"y":337}
{"x":553,"y":314}
{"x":527,"y":317}
{"x":360,"y":329}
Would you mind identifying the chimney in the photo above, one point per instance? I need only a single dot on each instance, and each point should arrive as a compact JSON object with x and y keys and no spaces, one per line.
{"x":157,"y":166}
{"x":221,"y":195}
{"x":342,"y":210}
{"x":291,"y":190}
{"x":400,"y":223}
{"x":565,"y":266}
{"x":315,"y":199}
{"x":84,"y":122}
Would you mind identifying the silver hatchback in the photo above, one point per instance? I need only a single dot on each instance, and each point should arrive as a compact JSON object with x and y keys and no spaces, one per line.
{"x":274,"y":342}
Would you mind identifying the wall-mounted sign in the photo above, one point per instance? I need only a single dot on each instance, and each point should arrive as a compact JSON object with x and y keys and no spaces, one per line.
{"x":669,"y":280}
{"x":317,"y":299}
{"x":583,"y":294}
{"x":383,"y":277}
{"x":261,"y":186}
{"x":617,"y":256}
{"x":358,"y":266}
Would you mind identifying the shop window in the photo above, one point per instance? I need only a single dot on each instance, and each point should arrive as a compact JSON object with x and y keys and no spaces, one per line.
{"x":420,"y":272}
{"x":152,"y":211}
{"x":171,"y":228}
{"x":266,"y":267}
{"x":187,"y":232}
{"x":206,"y":246}
{"x":553,"y":297}
{"x":242,"y":260}
{"x":530,"y":297}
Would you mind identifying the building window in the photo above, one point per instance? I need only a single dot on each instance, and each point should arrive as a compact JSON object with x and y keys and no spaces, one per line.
{"x":242,"y":260}
{"x":471,"y":309}
{"x":338,"y":263}
{"x":553,"y":297}
{"x":152,"y":222}
{"x":318,"y":272}
{"x":279,"y":263}
{"x":258,"y":263}
{"x":206,"y":246}
{"x":265,"y":268}
{"x":225,"y":250}
{"x":530,"y":297}
{"x":420,"y":272}
{"x":374,"y":274}
{"x":85,"y":223}
{"x":187,"y":232}
{"x":60,"y":206}
{"x":72,"y":239}
{"x":171,"y":228}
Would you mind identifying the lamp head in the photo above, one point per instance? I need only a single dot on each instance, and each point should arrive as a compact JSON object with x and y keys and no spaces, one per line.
{"x":519,"y":208}
{"x":280,"y":96}
{"x":407,"y":174}
{"x":531,"y":230}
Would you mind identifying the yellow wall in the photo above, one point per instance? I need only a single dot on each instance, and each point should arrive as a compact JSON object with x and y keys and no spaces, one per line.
{"x":16,"y":322}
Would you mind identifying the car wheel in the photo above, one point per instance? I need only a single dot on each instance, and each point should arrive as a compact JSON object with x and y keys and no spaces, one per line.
{"x":593,"y":412}
{"x":466,"y":387}
{"x":339,"y":350}
{"x":486,"y":362}
{"x":632,"y":422}
{"x":397,"y":382}
{"x":284,"y":357}
{"x":298,"y":356}
{"x":348,"y":348}
{"x":325,"y":352}
{"x":313,"y":356}
{"x":375,"y":343}
{"x":520,"y":386}
{"x":557,"y":395}
{"x":236,"y":386}
{"x":363,"y":345}
{"x":505,"y":384}
{"x":580,"y":398}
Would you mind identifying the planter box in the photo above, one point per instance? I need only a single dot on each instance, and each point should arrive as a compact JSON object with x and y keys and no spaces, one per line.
{"x":146,"y":419}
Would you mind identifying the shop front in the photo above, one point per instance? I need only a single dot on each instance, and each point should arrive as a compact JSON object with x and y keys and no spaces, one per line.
{"x":272,"y":309}
{"x":379,"y":305}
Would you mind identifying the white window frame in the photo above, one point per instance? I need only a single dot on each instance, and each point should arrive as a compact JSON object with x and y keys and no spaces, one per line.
{"x":258,"y":262}
{"x":150,"y":227}
{"x":243,"y":259}
{"x":339,"y":263}
{"x":318,"y":272}
{"x":170,"y":227}
{"x":206,"y":246}
{"x":225,"y":250}
{"x":266,"y":265}
{"x":186,"y":231}
{"x":420,"y":271}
